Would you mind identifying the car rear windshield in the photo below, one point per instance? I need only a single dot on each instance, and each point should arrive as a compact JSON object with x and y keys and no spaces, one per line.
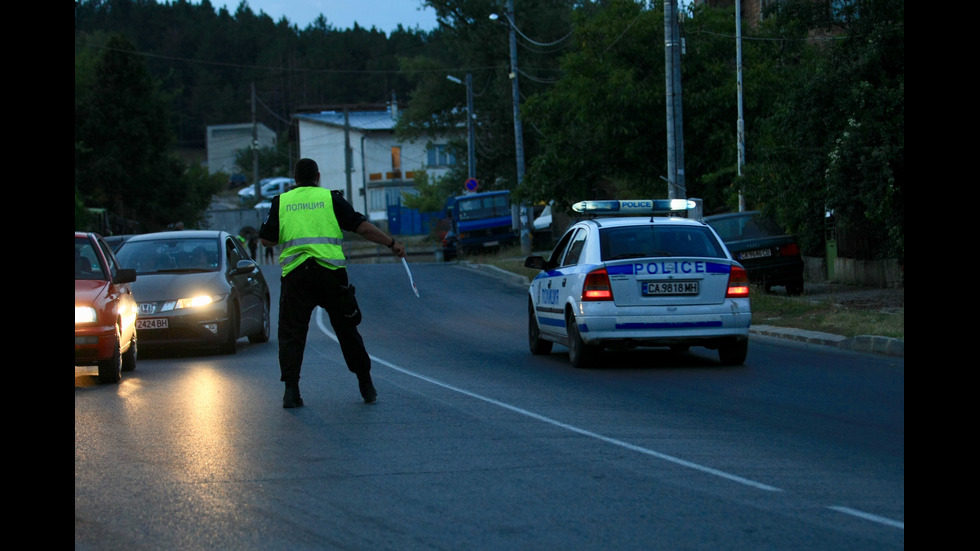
{"x":750,"y":226}
{"x":653,"y":240}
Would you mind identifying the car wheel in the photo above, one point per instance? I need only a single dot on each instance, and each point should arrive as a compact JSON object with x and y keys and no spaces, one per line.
{"x":262,"y":335}
{"x":129,"y":358}
{"x":795,"y":289}
{"x":580,"y":354}
{"x":110,"y":370}
{"x":734,"y":352}
{"x":537,"y":344}
{"x":229,"y":346}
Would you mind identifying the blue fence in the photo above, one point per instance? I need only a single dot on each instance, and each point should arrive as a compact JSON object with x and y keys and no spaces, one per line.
{"x":406,"y":221}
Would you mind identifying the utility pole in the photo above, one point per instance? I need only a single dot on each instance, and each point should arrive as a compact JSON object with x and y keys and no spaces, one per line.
{"x":255,"y":151}
{"x":518,"y":130}
{"x":470,"y":130}
{"x":470,"y":122}
{"x":347,"y":154}
{"x":676,"y":186}
{"x":740,"y":125}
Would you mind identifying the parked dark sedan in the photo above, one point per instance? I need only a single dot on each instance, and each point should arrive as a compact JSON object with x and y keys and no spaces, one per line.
{"x":196,"y":289}
{"x":769,"y":254}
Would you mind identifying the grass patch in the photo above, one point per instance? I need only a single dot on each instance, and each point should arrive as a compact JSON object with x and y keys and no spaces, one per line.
{"x":825,"y":315}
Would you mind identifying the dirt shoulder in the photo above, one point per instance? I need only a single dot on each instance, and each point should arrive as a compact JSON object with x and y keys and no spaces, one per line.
{"x":887,"y":300}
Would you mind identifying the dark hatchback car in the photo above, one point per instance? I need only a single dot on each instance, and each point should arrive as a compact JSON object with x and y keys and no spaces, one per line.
{"x":770,"y":255}
{"x":196,"y":289}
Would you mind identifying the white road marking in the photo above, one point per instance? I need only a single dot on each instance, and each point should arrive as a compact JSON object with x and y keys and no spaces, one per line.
{"x":323,"y":325}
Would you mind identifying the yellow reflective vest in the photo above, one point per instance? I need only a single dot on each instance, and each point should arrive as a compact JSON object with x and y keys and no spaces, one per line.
{"x":308,"y":228}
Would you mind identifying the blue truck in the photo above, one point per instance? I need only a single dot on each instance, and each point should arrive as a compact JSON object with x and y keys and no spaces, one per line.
{"x":480,"y":222}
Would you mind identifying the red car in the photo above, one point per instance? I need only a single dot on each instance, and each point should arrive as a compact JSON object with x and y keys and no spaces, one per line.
{"x":105,"y":310}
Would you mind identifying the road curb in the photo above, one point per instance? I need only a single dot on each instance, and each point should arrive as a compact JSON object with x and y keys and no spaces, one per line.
{"x":878,"y":345}
{"x":874,"y":344}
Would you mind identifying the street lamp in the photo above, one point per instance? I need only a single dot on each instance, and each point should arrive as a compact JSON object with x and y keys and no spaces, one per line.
{"x":470,"y":142}
{"x":518,"y":131}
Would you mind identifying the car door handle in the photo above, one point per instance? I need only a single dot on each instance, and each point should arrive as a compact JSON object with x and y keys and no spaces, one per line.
{"x":563,"y":281}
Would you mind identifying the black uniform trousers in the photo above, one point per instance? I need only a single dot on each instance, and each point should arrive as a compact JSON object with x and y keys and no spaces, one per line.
{"x":303,"y":289}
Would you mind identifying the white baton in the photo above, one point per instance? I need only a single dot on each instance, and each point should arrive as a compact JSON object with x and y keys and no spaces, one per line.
{"x":410,"y":278}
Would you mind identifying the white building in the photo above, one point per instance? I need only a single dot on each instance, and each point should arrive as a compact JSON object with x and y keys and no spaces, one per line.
{"x":226,"y":140}
{"x":381,"y":167}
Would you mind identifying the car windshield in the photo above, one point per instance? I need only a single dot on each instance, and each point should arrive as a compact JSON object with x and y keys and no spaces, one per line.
{"x":653,"y":240}
{"x":115,"y":241}
{"x":749,"y":226}
{"x":170,"y":255}
{"x":478,"y":208}
{"x":87,"y":265}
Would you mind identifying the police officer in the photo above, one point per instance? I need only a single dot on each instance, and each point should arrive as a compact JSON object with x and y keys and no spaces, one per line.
{"x":308,"y":222}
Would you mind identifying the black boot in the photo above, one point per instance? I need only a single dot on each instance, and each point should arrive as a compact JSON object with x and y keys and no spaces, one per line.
{"x":368,"y":392}
{"x":292,"y":399}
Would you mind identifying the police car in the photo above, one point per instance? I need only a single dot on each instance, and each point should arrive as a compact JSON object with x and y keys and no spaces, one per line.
{"x":624,"y":281}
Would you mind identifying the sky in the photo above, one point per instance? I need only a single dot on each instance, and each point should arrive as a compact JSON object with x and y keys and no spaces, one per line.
{"x":384,"y":15}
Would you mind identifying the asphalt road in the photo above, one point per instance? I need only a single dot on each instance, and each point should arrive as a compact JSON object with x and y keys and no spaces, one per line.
{"x":477,"y":444}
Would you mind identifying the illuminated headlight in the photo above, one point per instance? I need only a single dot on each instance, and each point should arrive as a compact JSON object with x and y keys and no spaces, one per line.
{"x":195,"y":302}
{"x":191,"y":302}
{"x":85,"y":314}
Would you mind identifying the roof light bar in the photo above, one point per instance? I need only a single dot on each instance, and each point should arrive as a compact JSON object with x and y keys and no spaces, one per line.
{"x":634,"y":206}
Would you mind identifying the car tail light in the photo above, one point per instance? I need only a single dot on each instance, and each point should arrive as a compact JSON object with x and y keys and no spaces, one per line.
{"x":789,"y":250}
{"x":738,"y":283}
{"x":596,"y":286}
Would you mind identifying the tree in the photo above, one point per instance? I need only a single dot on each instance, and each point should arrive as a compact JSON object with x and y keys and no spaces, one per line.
{"x":710,"y":70}
{"x":272,"y":161}
{"x":123,"y":138}
{"x":835,"y":143}
{"x":603,"y":123}
{"x":207,"y":60}
{"x":468,"y":41}
{"x":430,"y":196}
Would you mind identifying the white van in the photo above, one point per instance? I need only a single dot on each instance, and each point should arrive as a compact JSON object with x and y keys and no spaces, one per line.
{"x":271,"y":187}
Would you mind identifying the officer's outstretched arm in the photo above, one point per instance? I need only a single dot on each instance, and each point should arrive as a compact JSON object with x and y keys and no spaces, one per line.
{"x":373,"y":233}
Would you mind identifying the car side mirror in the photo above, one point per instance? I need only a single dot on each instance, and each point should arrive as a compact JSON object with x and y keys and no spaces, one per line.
{"x":536,"y":262}
{"x":124,"y":275}
{"x":245,"y":267}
